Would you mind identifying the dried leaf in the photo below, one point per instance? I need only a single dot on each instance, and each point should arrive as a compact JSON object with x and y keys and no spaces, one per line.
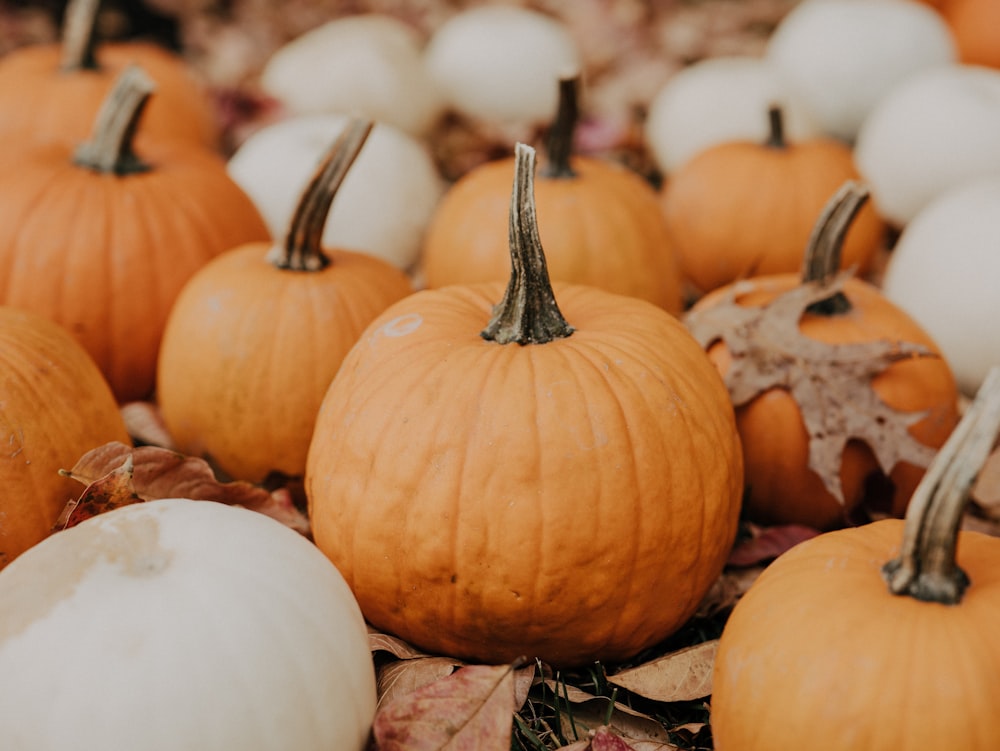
{"x":731,"y":585}
{"x":379,"y":642}
{"x":472,"y":709}
{"x":601,"y":739}
{"x":830,"y":382}
{"x":683,"y":675}
{"x":768,"y":543}
{"x":162,"y":473}
{"x":581,"y":713}
{"x":144,"y":423}
{"x":113,"y":490}
{"x":403,"y":677}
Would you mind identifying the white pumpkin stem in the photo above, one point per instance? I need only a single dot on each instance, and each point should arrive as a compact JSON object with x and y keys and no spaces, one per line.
{"x":823,"y":250}
{"x":776,"y":128}
{"x":110,"y":148}
{"x":303,"y":246}
{"x":78,"y":42}
{"x":926,"y":568}
{"x":528,"y":313}
{"x":559,"y":140}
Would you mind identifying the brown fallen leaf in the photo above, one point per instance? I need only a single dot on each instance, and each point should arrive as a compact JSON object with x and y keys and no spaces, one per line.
{"x":601,"y":739}
{"x":470,"y":710}
{"x":113,"y":490}
{"x":581,"y":713}
{"x":144,"y":423}
{"x":683,"y":675}
{"x":731,"y":585}
{"x":402,"y":677}
{"x":379,"y":642}
{"x":830,"y":382}
{"x":767,"y":543}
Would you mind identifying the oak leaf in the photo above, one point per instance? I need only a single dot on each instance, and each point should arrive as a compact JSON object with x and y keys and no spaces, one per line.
{"x":830,"y":382}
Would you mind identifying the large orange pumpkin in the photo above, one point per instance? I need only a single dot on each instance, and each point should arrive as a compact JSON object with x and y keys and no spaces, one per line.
{"x":563,"y":484}
{"x":256,"y":336}
{"x":880,"y":637}
{"x":600,"y":223}
{"x":54,"y":407}
{"x":101,"y":239}
{"x":742,"y":209}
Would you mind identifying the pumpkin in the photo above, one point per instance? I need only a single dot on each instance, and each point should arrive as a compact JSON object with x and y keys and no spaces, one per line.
{"x":101,"y":238}
{"x":840,"y":57}
{"x":601,"y":224}
{"x":265,"y":329}
{"x":562,"y":484}
{"x":394,"y":176}
{"x":54,"y":407}
{"x":879,"y":637}
{"x":747,"y":208}
{"x":369,"y":64}
{"x":943,"y":272}
{"x":54,"y":91}
{"x":782,"y":487}
{"x":715,"y":100}
{"x":178,"y":624}
{"x":495,"y":62}
{"x":975,"y":25}
{"x":933,"y":131}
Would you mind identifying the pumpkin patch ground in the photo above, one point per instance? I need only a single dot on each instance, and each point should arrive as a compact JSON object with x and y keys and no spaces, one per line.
{"x":559,"y":500}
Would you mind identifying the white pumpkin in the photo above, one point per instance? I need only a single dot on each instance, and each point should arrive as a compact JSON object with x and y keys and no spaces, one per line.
{"x":370,"y":65}
{"x":937,"y":129}
{"x":175,"y":625}
{"x":840,"y":57}
{"x":502,"y":63}
{"x":716,"y":100}
{"x":384,"y":203}
{"x":943,"y":271}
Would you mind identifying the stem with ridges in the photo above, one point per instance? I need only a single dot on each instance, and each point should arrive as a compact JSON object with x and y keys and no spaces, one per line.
{"x":528,"y":313}
{"x":926,"y":568}
{"x":559,"y":139}
{"x":78,"y":42}
{"x":302,"y":249}
{"x":110,"y":148}
{"x":823,"y":251}
{"x":776,"y":128}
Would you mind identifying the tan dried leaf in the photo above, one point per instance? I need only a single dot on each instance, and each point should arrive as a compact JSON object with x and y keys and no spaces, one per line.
{"x":830,"y":382}
{"x":144,"y":423}
{"x":402,"y":677}
{"x":683,"y":675}
{"x":587,"y":713}
{"x":379,"y":642}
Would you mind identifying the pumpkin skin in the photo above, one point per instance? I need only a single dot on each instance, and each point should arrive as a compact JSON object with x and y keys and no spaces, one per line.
{"x":819,"y":655}
{"x":54,"y":407}
{"x":178,"y":624}
{"x":571,"y":500}
{"x":975,"y":24}
{"x":781,"y":487}
{"x":603,"y":228}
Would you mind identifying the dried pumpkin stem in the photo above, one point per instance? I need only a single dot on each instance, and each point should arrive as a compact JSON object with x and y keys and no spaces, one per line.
{"x":775,"y":128}
{"x":823,"y":251}
{"x":303,"y":246}
{"x":110,"y":148}
{"x":926,"y":568}
{"x":559,"y":140}
{"x":528,"y":313}
{"x":78,"y":40}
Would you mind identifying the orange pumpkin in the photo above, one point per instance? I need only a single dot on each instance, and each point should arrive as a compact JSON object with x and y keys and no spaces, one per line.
{"x":782,"y":489}
{"x":600,"y":223}
{"x":741,"y":209}
{"x":54,"y":407}
{"x":563,"y":484}
{"x":53,"y":91}
{"x":255,"y":337}
{"x":102,"y":239}
{"x":880,"y":637}
{"x":975,"y":25}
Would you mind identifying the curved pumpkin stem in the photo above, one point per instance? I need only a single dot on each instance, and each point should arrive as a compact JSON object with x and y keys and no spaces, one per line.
{"x":303,"y":248}
{"x":559,"y":140}
{"x":823,"y":251}
{"x":926,"y":568}
{"x":776,"y":128}
{"x":528,"y":313}
{"x":110,"y":148}
{"x":78,"y":39}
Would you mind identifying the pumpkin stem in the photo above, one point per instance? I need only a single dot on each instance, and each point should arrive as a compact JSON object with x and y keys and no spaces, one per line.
{"x":559,"y":140}
{"x":823,"y":251}
{"x":109,"y":149}
{"x":78,"y":38}
{"x":925,"y":568}
{"x":303,"y":246}
{"x":528,"y":313}
{"x":776,"y":128}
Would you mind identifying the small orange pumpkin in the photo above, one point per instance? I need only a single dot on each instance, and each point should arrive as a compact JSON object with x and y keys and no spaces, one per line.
{"x":741,"y":209}
{"x":600,"y":223}
{"x":557,"y":486}
{"x":101,"y":239}
{"x":975,"y":25}
{"x":256,"y":336}
{"x":54,"y":407}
